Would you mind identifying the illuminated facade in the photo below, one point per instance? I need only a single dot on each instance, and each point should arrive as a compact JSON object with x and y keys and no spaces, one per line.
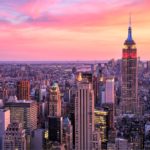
{"x":101,"y":124}
{"x":84,"y":114}
{"x":23,"y":90}
{"x":129,"y":76}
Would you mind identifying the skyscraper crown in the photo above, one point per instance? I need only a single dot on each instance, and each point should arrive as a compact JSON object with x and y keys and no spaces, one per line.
{"x":129,"y":39}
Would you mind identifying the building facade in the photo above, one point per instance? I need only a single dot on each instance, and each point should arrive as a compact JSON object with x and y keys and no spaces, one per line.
{"x":4,"y":122}
{"x":23,"y":90}
{"x":84,"y":115}
{"x":129,"y":103}
{"x":24,"y":112}
{"x":14,"y":137}
{"x":54,"y":101}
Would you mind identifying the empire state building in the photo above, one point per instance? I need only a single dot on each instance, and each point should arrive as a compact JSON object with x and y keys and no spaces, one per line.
{"x":129,"y":102}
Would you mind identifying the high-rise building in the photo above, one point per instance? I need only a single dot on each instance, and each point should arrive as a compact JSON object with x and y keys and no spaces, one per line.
{"x":23,"y":90}
{"x":55,"y":121}
{"x":4,"y":122}
{"x":129,"y":101}
{"x":54,"y":101}
{"x":39,"y":139}
{"x":84,"y":114}
{"x":96,"y":141}
{"x":67,"y":133}
{"x":14,"y":137}
{"x":121,"y":144}
{"x":101,"y":125}
{"x":109,"y":91}
{"x":55,"y":129}
{"x":24,"y":112}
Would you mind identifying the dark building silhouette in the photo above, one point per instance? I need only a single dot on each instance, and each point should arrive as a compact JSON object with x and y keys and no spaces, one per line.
{"x":55,"y":129}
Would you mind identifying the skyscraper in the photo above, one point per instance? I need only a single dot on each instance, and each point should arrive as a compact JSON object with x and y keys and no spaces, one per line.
{"x":24,"y":112}
{"x":23,"y":90}
{"x":129,"y":101}
{"x":84,"y":115}
{"x":55,"y":121}
{"x":54,"y":101}
{"x":110,"y":91}
{"x":55,"y":129}
{"x":14,"y":137}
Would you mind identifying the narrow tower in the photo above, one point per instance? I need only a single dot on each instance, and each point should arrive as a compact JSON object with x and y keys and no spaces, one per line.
{"x":129,"y":101}
{"x":54,"y":101}
{"x":84,"y":114}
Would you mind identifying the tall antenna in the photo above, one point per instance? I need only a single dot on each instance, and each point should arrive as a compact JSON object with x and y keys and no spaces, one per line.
{"x":130,"y":19}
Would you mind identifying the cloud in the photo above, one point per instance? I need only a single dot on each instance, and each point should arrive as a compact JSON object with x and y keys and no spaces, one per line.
{"x":92,"y":28}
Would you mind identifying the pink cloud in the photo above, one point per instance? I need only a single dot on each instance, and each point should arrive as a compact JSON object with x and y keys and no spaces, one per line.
{"x":57,"y":29}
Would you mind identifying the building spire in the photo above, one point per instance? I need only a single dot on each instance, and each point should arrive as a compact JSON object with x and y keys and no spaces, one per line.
{"x":129,"y":19}
{"x":129,"y":39}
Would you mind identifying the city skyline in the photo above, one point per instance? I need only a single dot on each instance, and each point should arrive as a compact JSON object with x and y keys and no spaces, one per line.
{"x":62,"y":30}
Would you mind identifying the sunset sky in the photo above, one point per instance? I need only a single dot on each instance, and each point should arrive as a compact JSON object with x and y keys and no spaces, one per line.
{"x":71,"y":29}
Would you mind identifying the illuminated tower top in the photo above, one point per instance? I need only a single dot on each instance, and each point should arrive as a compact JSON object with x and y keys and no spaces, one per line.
{"x":129,"y":39}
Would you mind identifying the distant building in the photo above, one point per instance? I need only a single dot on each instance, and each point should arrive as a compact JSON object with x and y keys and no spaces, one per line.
{"x":148,"y":65}
{"x":23,"y":90}
{"x":121,"y":144}
{"x":14,"y":137}
{"x":84,"y":114}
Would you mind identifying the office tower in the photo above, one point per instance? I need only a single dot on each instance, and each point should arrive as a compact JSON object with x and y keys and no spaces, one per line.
{"x":4,"y":122}
{"x":101,"y":125}
{"x":39,"y":139}
{"x":101,"y":87}
{"x":68,"y":133}
{"x":14,"y":137}
{"x":108,"y":104}
{"x":109,"y":91}
{"x":54,"y":101}
{"x":121,"y":144}
{"x":72,"y":110}
{"x":23,"y":90}
{"x":55,"y":129}
{"x":84,"y":114}
{"x":3,"y":93}
{"x":24,"y":112}
{"x":37,"y":94}
{"x":129,"y":102}
{"x":96,"y":141}
{"x":55,"y":121}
